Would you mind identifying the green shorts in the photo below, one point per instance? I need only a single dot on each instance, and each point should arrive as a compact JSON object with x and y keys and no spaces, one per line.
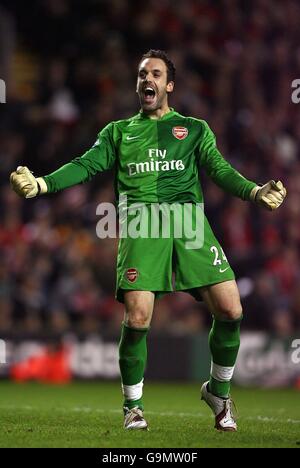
{"x":165,"y":264}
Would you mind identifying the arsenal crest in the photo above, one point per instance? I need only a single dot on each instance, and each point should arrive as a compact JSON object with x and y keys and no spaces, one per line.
{"x":131,"y":274}
{"x":180,"y":132}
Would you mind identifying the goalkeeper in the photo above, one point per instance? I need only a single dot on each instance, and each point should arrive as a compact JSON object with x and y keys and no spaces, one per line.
{"x":158,"y":154}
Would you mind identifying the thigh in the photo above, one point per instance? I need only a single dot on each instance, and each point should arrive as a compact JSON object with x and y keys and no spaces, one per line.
{"x":144,"y":264}
{"x":200,"y":266}
{"x":223,"y":300}
{"x":138,"y":308}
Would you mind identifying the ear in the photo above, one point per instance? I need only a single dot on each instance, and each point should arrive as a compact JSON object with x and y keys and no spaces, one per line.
{"x":170,"y":86}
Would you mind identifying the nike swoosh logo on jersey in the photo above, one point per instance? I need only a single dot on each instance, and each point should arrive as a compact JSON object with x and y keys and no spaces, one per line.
{"x":132,"y":138}
{"x":222,"y":271}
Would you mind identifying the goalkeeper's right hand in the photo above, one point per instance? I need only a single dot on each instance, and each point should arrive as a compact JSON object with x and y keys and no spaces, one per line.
{"x":25,"y":184}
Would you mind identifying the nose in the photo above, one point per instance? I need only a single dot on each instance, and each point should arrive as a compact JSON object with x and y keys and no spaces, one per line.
{"x":148,"y":81}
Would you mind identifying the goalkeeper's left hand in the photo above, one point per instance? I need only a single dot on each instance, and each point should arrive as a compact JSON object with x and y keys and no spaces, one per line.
{"x":270,"y":195}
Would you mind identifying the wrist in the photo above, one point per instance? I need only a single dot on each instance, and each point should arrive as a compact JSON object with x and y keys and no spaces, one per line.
{"x":42,"y":186}
{"x":254,"y":192}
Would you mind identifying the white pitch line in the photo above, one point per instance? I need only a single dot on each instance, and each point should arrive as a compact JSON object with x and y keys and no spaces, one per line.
{"x":268,"y":419}
{"x":87,"y":409}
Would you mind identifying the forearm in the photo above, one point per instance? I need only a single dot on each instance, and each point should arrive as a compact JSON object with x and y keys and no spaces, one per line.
{"x":77,"y":171}
{"x":228,"y":178}
{"x":66,"y":176}
{"x":219,"y":170}
{"x":99,"y":158}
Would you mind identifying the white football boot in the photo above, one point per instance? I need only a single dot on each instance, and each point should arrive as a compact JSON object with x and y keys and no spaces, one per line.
{"x":222,"y":409}
{"x":134,"y":419}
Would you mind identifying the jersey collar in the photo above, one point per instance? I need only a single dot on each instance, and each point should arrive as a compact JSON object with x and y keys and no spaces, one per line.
{"x":166,"y":116}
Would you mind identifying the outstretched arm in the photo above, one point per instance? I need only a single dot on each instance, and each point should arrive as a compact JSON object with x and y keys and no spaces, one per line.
{"x":270,"y":195}
{"x":99,"y":158}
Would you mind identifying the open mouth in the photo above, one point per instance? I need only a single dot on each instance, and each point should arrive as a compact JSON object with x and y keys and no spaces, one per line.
{"x":149,"y":94}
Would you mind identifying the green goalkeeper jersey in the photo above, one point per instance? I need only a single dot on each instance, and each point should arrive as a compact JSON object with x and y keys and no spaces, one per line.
{"x":155,"y":160}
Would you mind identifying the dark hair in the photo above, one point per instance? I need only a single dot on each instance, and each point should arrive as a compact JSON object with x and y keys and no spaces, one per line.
{"x":160,"y":54}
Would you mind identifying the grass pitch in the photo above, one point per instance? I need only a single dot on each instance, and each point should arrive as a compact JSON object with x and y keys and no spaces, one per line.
{"x":89,"y":415}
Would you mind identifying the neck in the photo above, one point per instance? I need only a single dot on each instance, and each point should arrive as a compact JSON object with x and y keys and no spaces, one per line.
{"x":158,"y":113}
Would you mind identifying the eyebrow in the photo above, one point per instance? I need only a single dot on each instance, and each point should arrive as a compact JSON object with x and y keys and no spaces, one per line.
{"x":155,"y":70}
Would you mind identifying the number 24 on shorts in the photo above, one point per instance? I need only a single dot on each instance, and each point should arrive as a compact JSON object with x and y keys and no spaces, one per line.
{"x":217,"y":260}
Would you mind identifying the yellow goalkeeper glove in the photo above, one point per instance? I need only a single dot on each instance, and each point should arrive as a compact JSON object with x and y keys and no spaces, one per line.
{"x":270,"y":195}
{"x":25,"y":184}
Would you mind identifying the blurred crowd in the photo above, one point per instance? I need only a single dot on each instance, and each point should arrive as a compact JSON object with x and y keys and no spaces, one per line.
{"x":235,"y":61}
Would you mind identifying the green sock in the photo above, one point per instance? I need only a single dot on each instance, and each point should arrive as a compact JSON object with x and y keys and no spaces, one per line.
{"x":132,"y":361}
{"x":224,"y":343}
